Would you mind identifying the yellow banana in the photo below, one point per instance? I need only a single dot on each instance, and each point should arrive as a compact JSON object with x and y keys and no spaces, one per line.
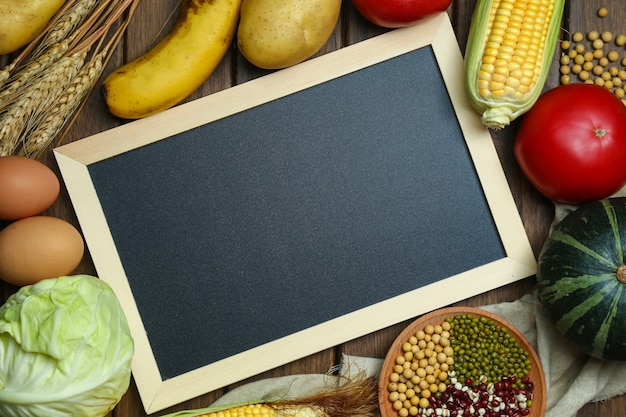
{"x":179,"y":64}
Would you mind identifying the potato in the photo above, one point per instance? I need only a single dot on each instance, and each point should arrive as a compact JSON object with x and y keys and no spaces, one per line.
{"x":21,"y":21}
{"x":275,"y":34}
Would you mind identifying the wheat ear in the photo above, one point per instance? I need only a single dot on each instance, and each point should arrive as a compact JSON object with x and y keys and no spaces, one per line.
{"x":55,"y":118}
{"x":32,"y":69}
{"x":5,"y":73}
{"x":13,"y":121}
{"x":65,"y":25}
{"x":44,"y":98}
{"x":23,"y":113}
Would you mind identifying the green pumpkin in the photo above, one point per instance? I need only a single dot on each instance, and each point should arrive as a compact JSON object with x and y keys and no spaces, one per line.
{"x":581,"y":278}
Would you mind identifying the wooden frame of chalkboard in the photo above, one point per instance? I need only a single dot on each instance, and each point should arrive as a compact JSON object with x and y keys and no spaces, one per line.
{"x":324,"y":201}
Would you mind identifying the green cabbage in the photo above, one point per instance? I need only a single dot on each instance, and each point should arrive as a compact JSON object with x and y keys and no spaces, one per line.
{"x":65,"y":349}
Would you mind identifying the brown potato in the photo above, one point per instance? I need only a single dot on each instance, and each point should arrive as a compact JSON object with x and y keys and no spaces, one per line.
{"x":21,"y":21}
{"x":276,"y":34}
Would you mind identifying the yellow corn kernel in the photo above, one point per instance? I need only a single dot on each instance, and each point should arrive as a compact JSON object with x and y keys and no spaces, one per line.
{"x":250,"y":410}
{"x":516,"y":39}
{"x":265,"y":410}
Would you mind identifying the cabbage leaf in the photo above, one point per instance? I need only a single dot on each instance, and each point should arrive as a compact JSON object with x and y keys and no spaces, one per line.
{"x":65,"y":349}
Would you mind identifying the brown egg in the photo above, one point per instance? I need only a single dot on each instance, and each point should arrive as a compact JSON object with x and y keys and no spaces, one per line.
{"x":37,"y":248}
{"x":27,"y":187}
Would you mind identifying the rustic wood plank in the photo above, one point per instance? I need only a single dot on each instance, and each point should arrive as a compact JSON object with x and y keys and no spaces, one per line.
{"x":151,"y":22}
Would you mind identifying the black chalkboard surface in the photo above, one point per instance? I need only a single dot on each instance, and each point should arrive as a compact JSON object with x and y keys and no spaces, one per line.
{"x":296,"y":211}
{"x":294,"y":221}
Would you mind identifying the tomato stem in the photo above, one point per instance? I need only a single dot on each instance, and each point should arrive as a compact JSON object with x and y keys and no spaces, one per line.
{"x":621,"y":274}
{"x":600,"y":132}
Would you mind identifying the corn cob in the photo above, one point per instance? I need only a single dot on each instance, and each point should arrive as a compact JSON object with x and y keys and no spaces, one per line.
{"x":266,"y":410}
{"x":355,"y":398}
{"x":507,"y":59}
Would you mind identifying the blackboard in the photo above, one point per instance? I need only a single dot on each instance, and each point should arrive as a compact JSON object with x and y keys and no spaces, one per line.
{"x":298,"y":221}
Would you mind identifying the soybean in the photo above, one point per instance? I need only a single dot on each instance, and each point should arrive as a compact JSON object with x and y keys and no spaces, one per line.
{"x":589,"y":57}
{"x":421,"y":370}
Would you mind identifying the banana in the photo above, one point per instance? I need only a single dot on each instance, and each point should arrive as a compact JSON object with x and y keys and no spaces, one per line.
{"x":176,"y":66}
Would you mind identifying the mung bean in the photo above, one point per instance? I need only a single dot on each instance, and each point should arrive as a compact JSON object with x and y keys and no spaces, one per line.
{"x":484,"y":338}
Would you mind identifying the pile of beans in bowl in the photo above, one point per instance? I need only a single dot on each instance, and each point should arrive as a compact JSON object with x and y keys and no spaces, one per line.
{"x":464,"y":366}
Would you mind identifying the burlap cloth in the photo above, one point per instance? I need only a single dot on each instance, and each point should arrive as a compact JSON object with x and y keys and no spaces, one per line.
{"x":572,"y":378}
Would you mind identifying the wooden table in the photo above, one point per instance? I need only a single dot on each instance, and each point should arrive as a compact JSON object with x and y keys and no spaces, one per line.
{"x":151,"y":21}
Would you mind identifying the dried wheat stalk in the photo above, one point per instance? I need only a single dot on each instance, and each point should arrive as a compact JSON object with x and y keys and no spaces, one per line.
{"x":55,"y":117}
{"x":33,"y":69}
{"x":11,"y":121}
{"x":47,"y":84}
{"x":19,"y":116}
{"x":5,"y":73}
{"x":77,"y":12}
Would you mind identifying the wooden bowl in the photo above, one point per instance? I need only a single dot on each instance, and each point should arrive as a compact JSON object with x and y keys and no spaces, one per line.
{"x":437,"y":317}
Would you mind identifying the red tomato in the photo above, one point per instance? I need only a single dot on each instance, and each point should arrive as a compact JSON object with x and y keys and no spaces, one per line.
{"x":398,"y":13}
{"x":571,"y":144}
